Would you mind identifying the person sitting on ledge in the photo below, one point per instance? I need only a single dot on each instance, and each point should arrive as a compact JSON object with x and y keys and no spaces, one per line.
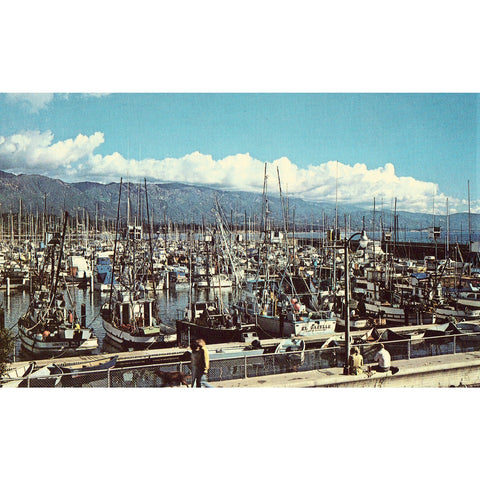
{"x":355,"y":361}
{"x":383,"y":358}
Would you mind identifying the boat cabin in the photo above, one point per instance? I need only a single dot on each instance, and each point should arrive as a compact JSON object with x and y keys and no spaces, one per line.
{"x":134,"y":312}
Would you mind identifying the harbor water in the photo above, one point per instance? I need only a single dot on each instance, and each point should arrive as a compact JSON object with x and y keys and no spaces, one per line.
{"x":171,"y":305}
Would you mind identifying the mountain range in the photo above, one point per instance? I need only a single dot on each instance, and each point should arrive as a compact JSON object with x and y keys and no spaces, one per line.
{"x":179,"y":202}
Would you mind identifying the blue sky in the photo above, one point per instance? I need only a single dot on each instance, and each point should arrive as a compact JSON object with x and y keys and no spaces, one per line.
{"x":367,"y":145}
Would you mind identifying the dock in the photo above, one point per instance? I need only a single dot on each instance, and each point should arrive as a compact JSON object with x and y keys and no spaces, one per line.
{"x":456,"y":370}
{"x":174,"y":354}
{"x":433,"y":370}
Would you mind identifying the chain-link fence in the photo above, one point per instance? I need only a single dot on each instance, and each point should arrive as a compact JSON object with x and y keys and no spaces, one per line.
{"x":173,"y":374}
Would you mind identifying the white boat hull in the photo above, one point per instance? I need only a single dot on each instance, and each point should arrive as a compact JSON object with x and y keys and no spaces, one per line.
{"x":272,"y":325}
{"x":127,"y":338}
{"x":465,"y":302}
{"x":38,"y":347}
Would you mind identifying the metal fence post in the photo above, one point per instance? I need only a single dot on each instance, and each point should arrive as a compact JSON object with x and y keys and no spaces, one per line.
{"x":245,"y":365}
{"x":454,"y":344}
{"x":409,"y":348}
{"x":108,"y":378}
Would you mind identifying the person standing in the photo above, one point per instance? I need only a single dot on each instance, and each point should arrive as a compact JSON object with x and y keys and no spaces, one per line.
{"x":200,"y":364}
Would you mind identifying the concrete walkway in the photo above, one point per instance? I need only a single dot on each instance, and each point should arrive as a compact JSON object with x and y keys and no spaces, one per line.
{"x":461,"y":369}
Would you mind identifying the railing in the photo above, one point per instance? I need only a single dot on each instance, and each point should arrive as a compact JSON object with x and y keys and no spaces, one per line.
{"x":261,"y":365}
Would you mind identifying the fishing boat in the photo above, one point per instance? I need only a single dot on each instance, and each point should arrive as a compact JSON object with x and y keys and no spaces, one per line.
{"x":103,"y":272}
{"x":213,"y":322}
{"x":219,"y":280}
{"x":130,"y":316}
{"x":17,"y":273}
{"x":78,"y":271}
{"x":178,"y":277}
{"x":469,"y":298}
{"x":392,"y":314}
{"x":298,"y":323}
{"x":395,"y":313}
{"x":49,"y":328}
{"x":130,"y":320}
{"x":450,"y":312}
{"x":279,"y":316}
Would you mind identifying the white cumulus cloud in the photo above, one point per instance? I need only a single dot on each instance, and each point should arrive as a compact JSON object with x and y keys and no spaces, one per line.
{"x":76,"y":159}
{"x":34,"y":152}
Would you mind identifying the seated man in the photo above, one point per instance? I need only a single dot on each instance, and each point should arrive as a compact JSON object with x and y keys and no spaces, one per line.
{"x":383,"y":358}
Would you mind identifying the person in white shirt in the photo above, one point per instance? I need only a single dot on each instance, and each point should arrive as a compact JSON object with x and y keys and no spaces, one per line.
{"x":383,"y":358}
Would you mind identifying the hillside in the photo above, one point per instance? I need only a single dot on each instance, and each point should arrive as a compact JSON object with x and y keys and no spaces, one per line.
{"x":189,"y":203}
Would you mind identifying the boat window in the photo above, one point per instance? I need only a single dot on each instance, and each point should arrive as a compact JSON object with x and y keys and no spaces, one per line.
{"x":125,"y":313}
{"x":146,"y":313}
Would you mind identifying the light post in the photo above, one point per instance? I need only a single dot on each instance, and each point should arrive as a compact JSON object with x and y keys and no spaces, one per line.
{"x":363,"y":244}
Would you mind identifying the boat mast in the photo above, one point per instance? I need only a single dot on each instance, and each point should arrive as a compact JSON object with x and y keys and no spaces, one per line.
{"x":395,"y":229}
{"x":469,"y":219}
{"x":283,"y":212}
{"x":150,"y":241}
{"x":54,"y":289}
{"x":20,"y":223}
{"x":373,"y":233}
{"x":447,"y":238}
{"x":128,"y":204}
{"x":115,"y":246}
{"x":265,"y":204}
{"x":45,"y":219}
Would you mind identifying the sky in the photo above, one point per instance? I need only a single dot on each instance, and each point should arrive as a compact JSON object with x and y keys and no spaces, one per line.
{"x":419,"y":148}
